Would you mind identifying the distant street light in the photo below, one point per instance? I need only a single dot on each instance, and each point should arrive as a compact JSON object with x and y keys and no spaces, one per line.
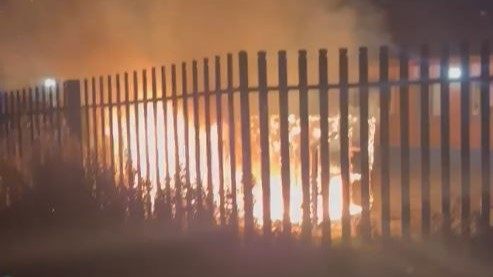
{"x":454,"y":73}
{"x":49,"y":83}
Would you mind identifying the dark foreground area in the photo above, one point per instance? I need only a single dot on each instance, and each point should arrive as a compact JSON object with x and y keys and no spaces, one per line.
{"x":74,"y":221}
{"x":215,"y":253}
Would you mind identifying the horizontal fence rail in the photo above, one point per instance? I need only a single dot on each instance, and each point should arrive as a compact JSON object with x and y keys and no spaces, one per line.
{"x":327,"y":157}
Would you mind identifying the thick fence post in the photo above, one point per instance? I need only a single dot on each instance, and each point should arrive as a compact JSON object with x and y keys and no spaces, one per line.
{"x":72,"y":90}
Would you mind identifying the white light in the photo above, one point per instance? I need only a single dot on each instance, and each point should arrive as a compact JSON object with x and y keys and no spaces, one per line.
{"x":454,"y":73}
{"x":49,"y":83}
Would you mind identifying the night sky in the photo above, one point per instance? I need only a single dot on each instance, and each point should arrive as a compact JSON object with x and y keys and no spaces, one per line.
{"x":437,"y":21}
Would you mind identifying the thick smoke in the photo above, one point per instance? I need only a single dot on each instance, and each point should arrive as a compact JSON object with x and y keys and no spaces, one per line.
{"x":76,"y":38}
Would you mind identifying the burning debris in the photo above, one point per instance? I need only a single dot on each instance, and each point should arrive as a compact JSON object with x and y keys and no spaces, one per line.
{"x":335,"y":184}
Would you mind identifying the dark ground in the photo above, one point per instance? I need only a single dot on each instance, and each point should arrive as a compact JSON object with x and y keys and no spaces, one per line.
{"x":217,"y":254}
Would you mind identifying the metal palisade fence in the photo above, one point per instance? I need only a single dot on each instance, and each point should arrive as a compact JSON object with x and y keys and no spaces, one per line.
{"x":240,"y":146}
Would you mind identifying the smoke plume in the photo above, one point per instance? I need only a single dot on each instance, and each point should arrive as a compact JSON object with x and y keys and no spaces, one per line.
{"x":77,"y":38}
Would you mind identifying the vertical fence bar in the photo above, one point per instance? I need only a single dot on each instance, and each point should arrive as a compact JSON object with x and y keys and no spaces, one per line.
{"x":31,"y":113}
{"x":51,"y":109}
{"x":8,"y":125}
{"x":25,"y":107}
{"x":246,"y":143}
{"x":344,"y":140}
{"x":232,"y":140}
{"x":103,"y":112}
{"x":177,"y":178}
{"x":3,"y":118}
{"x":19,"y":112}
{"x":44,"y":106}
{"x":37,"y":112}
{"x":3,"y":124}
{"x":112,"y":135}
{"x":86,"y":113}
{"x":137,"y":127}
{"x":146,"y":127}
{"x":219,"y":124}
{"x":404,"y":122}
{"x":9,"y":113}
{"x":167,"y":179}
{"x":79,"y":108}
{"x":324,"y":143}
{"x":284,"y":139}
{"x":13,"y":117}
{"x":445,"y":137}
{"x":5,"y":150}
{"x":186,"y":137}
{"x":120,"y":131}
{"x":94,"y":122}
{"x":156,"y":142}
{"x":485,"y":136}
{"x":425,"y":142}
{"x":60,"y":106}
{"x":304,"y":143}
{"x":196,"y":123}
{"x":465,"y":146}
{"x":43,"y":116}
{"x":264,"y":141}
{"x":364,"y":137}
{"x":208,"y":150}
{"x":128,"y":162}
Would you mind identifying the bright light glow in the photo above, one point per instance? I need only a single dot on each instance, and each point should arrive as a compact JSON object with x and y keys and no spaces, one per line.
{"x":454,"y":73}
{"x":49,"y":83}
{"x":277,"y":205}
{"x":335,"y":198}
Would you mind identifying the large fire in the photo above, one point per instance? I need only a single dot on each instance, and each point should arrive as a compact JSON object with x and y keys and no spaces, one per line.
{"x":335,"y":186}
